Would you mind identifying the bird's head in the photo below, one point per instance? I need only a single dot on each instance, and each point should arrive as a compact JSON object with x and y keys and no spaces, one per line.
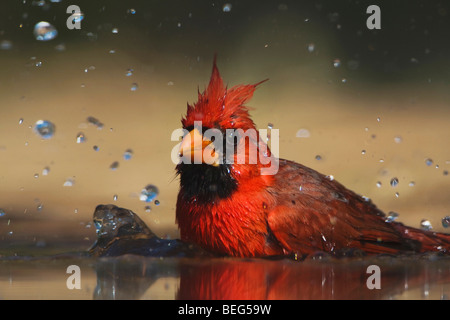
{"x":221,"y":148}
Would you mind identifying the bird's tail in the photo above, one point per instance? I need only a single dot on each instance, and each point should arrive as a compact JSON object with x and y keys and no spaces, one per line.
{"x":423,"y":240}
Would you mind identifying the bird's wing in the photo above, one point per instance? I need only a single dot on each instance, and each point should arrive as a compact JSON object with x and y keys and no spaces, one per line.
{"x":314,"y":212}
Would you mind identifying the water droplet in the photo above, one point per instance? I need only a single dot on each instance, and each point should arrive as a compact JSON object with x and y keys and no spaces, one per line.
{"x":378,"y":119}
{"x":394,"y":182}
{"x":132,"y":11}
{"x":96,"y":148}
{"x":445,"y":173}
{"x":411,"y":184}
{"x":81,"y":138}
{"x":114,"y":165}
{"x":2,"y":213}
{"x":397,"y":195}
{"x":129,"y":72}
{"x":20,"y":120}
{"x":391,"y":216}
{"x":378,"y":184}
{"x":115,"y":30}
{"x":300,"y":188}
{"x":115,"y":197}
{"x":270,"y":125}
{"x":303,"y":133}
{"x":398,"y":139}
{"x":227,"y":7}
{"x":44,"y":31}
{"x":148,"y":209}
{"x":44,"y":128}
{"x":336,"y":63}
{"x":330,"y":177}
{"x":428,"y":162}
{"x":134,"y":87}
{"x":149,"y":193}
{"x":6,"y":45}
{"x":318,"y":157}
{"x":311,"y":47}
{"x":95,"y":122}
{"x":445,"y":221}
{"x":77,"y":16}
{"x":363,"y":151}
{"x":128,"y":154}
{"x":40,"y":207}
{"x":344,"y":80}
{"x":425,"y":225}
{"x":36,"y":175}
{"x":69,"y":182}
{"x":157,"y":202}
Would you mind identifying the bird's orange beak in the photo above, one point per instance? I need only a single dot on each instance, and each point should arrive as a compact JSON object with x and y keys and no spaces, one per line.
{"x":196,"y":149}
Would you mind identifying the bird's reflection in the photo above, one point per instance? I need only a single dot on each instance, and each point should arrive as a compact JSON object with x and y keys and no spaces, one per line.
{"x":129,"y":277}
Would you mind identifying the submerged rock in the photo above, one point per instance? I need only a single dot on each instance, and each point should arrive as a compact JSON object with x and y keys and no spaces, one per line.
{"x":120,"y":231}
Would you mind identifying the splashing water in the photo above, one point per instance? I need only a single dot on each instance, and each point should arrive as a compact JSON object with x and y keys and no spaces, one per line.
{"x":391,"y":216}
{"x":81,"y":138}
{"x":394,"y":182}
{"x":44,"y":128}
{"x":426,"y":225}
{"x":44,"y":31}
{"x":446,"y":221}
{"x":149,"y":193}
{"x":128,"y":154}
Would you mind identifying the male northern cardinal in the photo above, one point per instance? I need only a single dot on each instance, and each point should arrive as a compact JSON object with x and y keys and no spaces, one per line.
{"x":234,"y":208}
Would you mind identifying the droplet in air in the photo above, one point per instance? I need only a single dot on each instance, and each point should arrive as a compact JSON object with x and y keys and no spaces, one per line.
{"x":311,"y":47}
{"x":45,"y":171}
{"x":115,"y":30}
{"x":302,"y":133}
{"x":149,"y":193}
{"x":134,"y":87}
{"x":44,"y":31}
{"x":425,"y":225}
{"x":336,"y":63}
{"x":391,"y":216}
{"x":227,"y":7}
{"x":157,"y":202}
{"x":129,"y":72}
{"x":44,"y":128}
{"x":318,"y":157}
{"x":81,"y":138}
{"x":95,"y":122}
{"x":69,"y":182}
{"x":148,"y":209}
{"x":378,"y":119}
{"x":115,"y":197}
{"x":446,"y":221}
{"x":132,"y":11}
{"x":428,"y":162}
{"x":20,"y":120}
{"x":394,"y":182}
{"x":2,"y":213}
{"x":411,"y":184}
{"x":114,"y":165}
{"x":36,"y":175}
{"x":397,"y":194}
{"x":128,"y":154}
{"x":398,"y":139}
{"x":378,"y":184}
{"x":363,"y":151}
{"x":96,"y":148}
{"x":445,"y":173}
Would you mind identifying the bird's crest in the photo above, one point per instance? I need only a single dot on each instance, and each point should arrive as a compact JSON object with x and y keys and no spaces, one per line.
{"x":221,"y":107}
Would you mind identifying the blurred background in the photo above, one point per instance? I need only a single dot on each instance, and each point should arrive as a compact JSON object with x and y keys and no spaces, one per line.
{"x":86,"y":115}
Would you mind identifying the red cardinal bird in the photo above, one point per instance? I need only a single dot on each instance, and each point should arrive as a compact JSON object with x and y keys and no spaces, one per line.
{"x":251,"y":209}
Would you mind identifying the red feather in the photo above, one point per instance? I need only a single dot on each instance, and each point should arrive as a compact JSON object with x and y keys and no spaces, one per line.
{"x":296,"y":211}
